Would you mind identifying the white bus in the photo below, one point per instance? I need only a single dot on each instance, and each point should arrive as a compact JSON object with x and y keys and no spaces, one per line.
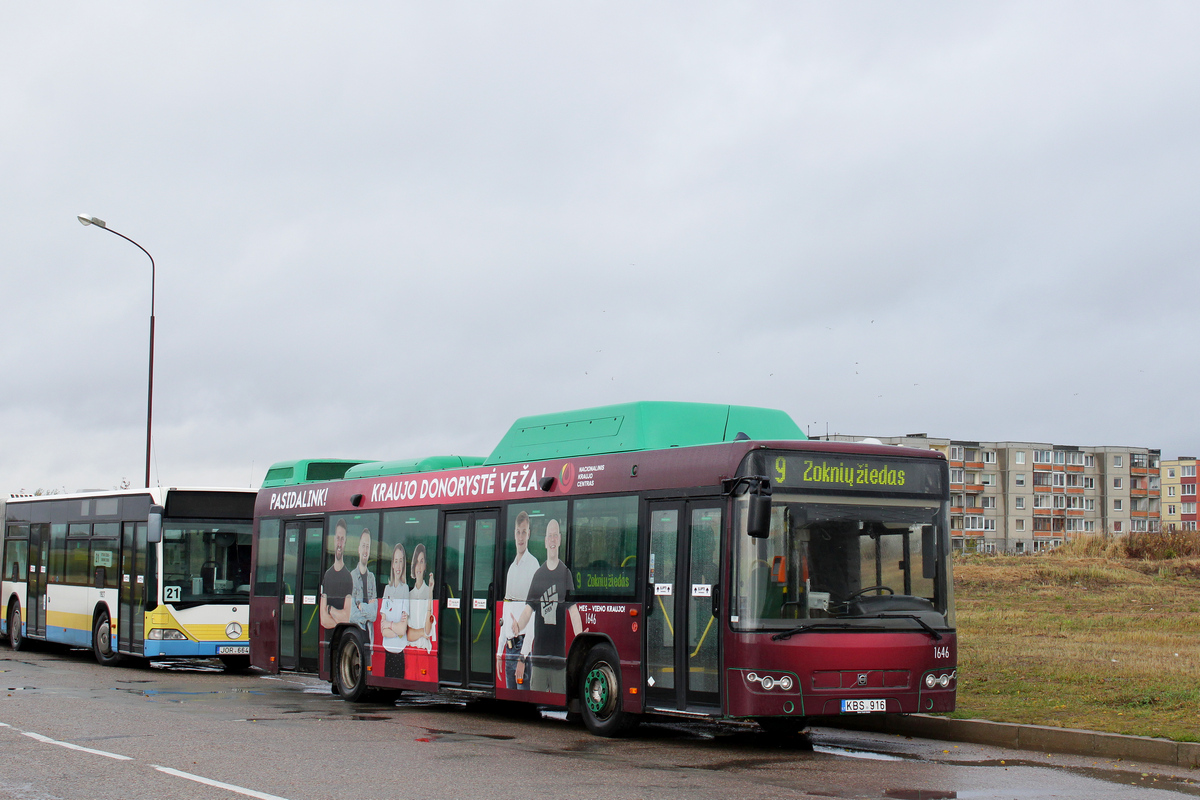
{"x":139,"y":573}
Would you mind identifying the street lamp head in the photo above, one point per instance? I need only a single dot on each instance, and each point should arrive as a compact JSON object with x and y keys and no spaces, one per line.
{"x":88,"y":219}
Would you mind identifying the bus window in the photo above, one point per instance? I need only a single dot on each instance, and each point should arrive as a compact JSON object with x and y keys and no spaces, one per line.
{"x":58,"y":552}
{"x":206,"y":562}
{"x":16,"y":554}
{"x":266,"y":573}
{"x":604,"y":546}
{"x":77,"y":562}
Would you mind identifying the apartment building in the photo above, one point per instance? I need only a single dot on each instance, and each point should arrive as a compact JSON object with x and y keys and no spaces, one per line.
{"x":1179,"y":494}
{"x":1024,"y":497}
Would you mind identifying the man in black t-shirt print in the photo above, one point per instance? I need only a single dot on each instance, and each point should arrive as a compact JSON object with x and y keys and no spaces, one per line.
{"x":337,"y":587}
{"x":549,"y":593}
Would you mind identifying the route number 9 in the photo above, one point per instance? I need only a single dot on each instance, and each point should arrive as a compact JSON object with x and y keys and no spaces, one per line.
{"x":780,"y":469}
{"x":171,"y":594}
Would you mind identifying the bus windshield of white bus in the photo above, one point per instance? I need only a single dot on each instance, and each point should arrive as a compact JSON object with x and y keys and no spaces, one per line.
{"x":841,"y":565}
{"x":206,"y":562}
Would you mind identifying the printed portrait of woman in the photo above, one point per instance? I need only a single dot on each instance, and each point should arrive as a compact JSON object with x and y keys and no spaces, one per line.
{"x":394,"y":610}
{"x":421,"y":628}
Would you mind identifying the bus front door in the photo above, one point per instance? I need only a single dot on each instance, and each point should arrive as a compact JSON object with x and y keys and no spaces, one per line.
{"x":682,"y":629}
{"x":131,"y":598}
{"x":301,"y":582}
{"x":466,"y":632}
{"x":35,"y":597}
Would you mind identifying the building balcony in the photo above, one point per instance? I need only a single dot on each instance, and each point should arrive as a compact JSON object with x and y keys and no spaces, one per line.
{"x":974,"y":509}
{"x":1138,"y":471}
{"x":1074,"y":468}
{"x":973,"y":487}
{"x":973,"y":464}
{"x":1074,"y":490}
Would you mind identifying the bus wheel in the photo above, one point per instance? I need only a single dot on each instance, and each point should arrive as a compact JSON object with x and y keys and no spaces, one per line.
{"x":236,"y":663}
{"x":102,"y":642}
{"x":600,"y":693}
{"x":15,"y":639}
{"x":350,"y":666}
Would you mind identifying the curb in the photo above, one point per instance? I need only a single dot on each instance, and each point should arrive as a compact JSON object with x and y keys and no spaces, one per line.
{"x":1030,"y":737}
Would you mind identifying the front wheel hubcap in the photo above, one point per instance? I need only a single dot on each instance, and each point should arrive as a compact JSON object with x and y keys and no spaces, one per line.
{"x":599,"y":690}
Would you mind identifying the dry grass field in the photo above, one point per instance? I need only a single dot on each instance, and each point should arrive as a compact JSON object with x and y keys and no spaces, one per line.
{"x":1081,"y":641}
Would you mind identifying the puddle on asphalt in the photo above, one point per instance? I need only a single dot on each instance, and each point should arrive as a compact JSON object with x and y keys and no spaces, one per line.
{"x":867,"y":754}
{"x":1146,"y":780}
{"x":919,"y":794}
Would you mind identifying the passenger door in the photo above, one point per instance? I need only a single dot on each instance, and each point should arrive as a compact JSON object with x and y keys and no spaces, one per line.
{"x":466,"y":630}
{"x":131,"y":600}
{"x":682,"y":627}
{"x":35,"y":597}
{"x":300,"y":585}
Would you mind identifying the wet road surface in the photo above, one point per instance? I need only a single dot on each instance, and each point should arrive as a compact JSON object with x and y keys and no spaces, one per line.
{"x":72,"y":729}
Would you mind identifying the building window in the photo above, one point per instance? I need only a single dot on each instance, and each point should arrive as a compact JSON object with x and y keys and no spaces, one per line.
{"x":1041,"y":501}
{"x":1117,"y":483}
{"x":1019,"y":525}
{"x":1041,"y":456}
{"x":1089,"y":483}
{"x":1019,"y":479}
{"x":1187,"y":508}
{"x":1117,"y":526}
{"x":973,"y":522}
{"x":1170,"y":472}
{"x":1075,"y":458}
{"x":1089,"y":504}
{"x":1137,"y":460}
{"x":1060,"y":501}
{"x":1187,"y":488}
{"x":1117,"y":461}
{"x":972,"y":454}
{"x":956,"y":453}
{"x":956,"y":476}
{"x":1019,"y":457}
{"x":1075,"y":480}
{"x":988,"y":479}
{"x":1188,"y":471}
{"x":1089,"y":525}
{"x":989,"y":456}
{"x":1118,"y":505}
{"x":1075,"y":502}
{"x":989,"y":525}
{"x":1170,"y":491}
{"x":1089,"y":460}
{"x":1019,"y":503}
{"x":1060,"y":457}
{"x":1041,"y":479}
{"x":1060,"y":479}
{"x":988,"y":501}
{"x":1171,"y":510}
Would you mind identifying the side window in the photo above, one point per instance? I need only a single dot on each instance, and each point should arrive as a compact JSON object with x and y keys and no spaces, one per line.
{"x":104,"y":557}
{"x":58,"y":547}
{"x":604,"y":546}
{"x":266,"y":569}
{"x":16,"y":553}
{"x":78,"y":559}
{"x":351,"y":550}
{"x":408,"y":537}
{"x":527,"y":524}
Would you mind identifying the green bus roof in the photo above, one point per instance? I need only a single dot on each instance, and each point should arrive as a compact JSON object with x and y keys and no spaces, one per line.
{"x":308,"y":470}
{"x":622,"y":428}
{"x":645,"y":425}
{"x":377,"y":469}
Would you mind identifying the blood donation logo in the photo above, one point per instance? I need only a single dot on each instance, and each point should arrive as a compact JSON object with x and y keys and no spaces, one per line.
{"x":567,"y":476}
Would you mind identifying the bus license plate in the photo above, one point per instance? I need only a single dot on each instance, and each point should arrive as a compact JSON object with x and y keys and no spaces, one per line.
{"x":244,"y":650}
{"x":863,"y":706}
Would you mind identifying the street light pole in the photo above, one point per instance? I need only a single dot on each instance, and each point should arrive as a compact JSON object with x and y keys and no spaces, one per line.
{"x":87,"y":219}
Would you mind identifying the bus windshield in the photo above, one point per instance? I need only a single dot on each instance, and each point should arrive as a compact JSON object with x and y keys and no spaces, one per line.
{"x":206,"y":562}
{"x":829,"y":561}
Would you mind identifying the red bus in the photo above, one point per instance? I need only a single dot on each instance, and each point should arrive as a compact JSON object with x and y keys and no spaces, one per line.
{"x":649,"y":558}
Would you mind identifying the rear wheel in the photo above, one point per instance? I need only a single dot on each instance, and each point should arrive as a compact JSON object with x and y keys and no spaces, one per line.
{"x":15,"y":638}
{"x":102,"y":644}
{"x":350,"y":666}
{"x":600,"y":693}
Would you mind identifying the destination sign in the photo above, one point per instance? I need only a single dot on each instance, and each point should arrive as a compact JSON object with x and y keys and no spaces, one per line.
{"x":849,"y":473}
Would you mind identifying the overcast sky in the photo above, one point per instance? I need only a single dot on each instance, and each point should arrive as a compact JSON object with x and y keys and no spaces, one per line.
{"x":389,"y":230}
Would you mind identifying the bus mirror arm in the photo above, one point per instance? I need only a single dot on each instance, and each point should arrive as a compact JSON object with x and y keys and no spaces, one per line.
{"x":758,"y":514}
{"x":154,"y":525}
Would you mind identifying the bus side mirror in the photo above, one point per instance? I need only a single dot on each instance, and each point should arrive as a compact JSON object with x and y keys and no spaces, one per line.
{"x":928,"y":552}
{"x":154,"y":528}
{"x":758,"y":516}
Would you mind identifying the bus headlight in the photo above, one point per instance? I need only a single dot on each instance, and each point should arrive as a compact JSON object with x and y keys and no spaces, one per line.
{"x":944,"y":681}
{"x":930,"y":681}
{"x":159,"y":634}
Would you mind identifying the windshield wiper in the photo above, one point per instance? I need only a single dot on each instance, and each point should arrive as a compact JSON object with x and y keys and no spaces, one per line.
{"x":937,"y":637}
{"x":821,"y":626}
{"x":849,"y":626}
